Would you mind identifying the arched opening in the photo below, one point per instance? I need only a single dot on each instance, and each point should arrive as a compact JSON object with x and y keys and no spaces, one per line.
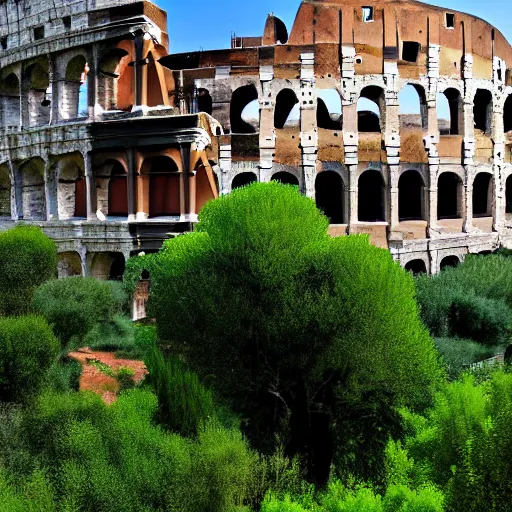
{"x":108,"y":266}
{"x":449,"y":261}
{"x":449,"y":196}
{"x":286,"y":111}
{"x":410,"y":196}
{"x":10,"y":101}
{"x":117,"y":267}
{"x":371,"y":204}
{"x":280,"y":31}
{"x":69,"y":264}
{"x":164,"y":187}
{"x":118,"y":191}
{"x":39,"y":95}
{"x":115,"y":93}
{"x":71,"y":189}
{"x":243,"y":179}
{"x":73,"y":90}
{"x":33,"y":200}
{"x":370,"y":108}
{"x":482,"y":195}
{"x":286,"y":178}
{"x":329,"y":195}
{"x":416,"y":267}
{"x":204,"y":101}
{"x":245,"y":110}
{"x":482,"y":110}
{"x":5,"y":191}
{"x":413,"y":107}
{"x":508,"y":195}
{"x":329,"y":109}
{"x":449,"y":112}
{"x":507,"y":114}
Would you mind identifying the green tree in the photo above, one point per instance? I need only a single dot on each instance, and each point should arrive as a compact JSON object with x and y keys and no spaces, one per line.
{"x":301,"y":334}
{"x":27,"y":259}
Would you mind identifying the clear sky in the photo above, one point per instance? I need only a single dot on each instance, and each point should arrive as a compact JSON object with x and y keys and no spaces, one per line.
{"x":208,"y":24}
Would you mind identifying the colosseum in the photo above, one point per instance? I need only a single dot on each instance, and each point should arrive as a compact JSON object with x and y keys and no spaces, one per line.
{"x":111,"y":144}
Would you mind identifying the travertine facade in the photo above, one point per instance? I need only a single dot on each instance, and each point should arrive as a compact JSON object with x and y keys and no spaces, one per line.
{"x":112,"y":145}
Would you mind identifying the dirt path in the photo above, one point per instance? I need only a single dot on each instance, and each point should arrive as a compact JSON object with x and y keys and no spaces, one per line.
{"x":93,"y":379}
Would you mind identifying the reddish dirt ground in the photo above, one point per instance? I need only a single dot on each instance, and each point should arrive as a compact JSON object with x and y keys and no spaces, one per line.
{"x":93,"y":379}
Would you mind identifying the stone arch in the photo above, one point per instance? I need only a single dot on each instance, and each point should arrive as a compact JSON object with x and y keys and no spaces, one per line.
{"x":69,"y":264}
{"x":371,"y":199}
{"x":450,"y":112}
{"x":243,"y":101}
{"x":416,"y":267}
{"x":449,"y":261}
{"x":286,"y":112}
{"x":5,"y":191}
{"x":329,"y":193}
{"x":163,"y":186}
{"x":329,"y":113}
{"x":449,"y":196}
{"x":113,"y":92}
{"x":108,"y":266}
{"x":371,"y":107}
{"x":118,"y":191}
{"x":39,"y":94}
{"x":71,"y":195}
{"x":411,"y":196}
{"x":413,"y":107}
{"x":482,"y":110}
{"x":33,"y":199}
{"x":286,"y":178}
{"x":243,"y":179}
{"x":73,"y":89}
{"x":10,"y":101}
{"x":483,"y":194}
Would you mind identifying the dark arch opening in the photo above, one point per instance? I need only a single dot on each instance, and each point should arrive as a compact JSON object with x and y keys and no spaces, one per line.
{"x":117,"y":267}
{"x":371,"y":197}
{"x":286,"y":178}
{"x":481,"y":195}
{"x":164,"y":187}
{"x":410,"y":196}
{"x":454,"y":106}
{"x":329,"y":195}
{"x":280,"y":31}
{"x":243,"y":179}
{"x":285,"y":101}
{"x":369,"y":120}
{"x":413,"y":107}
{"x":508,"y":195}
{"x":144,"y":275}
{"x":239,"y":100}
{"x":416,"y":267}
{"x":482,"y":110}
{"x":118,"y":191}
{"x":449,"y":261}
{"x":204,"y":101}
{"x":448,"y":196}
{"x":507,"y":114}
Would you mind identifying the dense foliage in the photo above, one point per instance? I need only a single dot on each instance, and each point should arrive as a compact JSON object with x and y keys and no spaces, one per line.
{"x":311,"y":338}
{"x":27,"y":259}
{"x":27,"y":350}
{"x":76,"y":305}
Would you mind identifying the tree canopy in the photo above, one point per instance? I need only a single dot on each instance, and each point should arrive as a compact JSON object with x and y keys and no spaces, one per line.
{"x":313,"y":338}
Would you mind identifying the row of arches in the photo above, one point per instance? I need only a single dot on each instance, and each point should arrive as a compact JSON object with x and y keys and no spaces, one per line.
{"x":371,"y":108}
{"x":332,"y":194}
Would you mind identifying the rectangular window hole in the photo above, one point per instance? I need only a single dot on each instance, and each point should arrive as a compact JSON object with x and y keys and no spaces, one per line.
{"x":450,"y":20}
{"x":410,"y":51}
{"x":39,"y":33}
{"x":66,"y":21}
{"x":367,"y":14}
{"x":3,"y":42}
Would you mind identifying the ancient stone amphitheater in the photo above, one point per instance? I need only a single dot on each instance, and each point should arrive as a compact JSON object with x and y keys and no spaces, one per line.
{"x":394,"y":116}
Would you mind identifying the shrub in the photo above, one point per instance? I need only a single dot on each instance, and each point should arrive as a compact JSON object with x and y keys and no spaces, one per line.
{"x":118,"y":334}
{"x":74,"y":305}
{"x":27,"y":350}
{"x":281,"y":320}
{"x":27,"y":259}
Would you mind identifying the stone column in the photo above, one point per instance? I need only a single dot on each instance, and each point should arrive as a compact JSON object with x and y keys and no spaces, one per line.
{"x":15,"y":191}
{"x":90,"y":187}
{"x":432,"y":195}
{"x":185,"y":202}
{"x":467,"y":199}
{"x":55,"y":86}
{"x":394,"y":219}
{"x":267,"y":133}
{"x":353,"y":193}
{"x":131,"y":177}
{"x":225,"y":168}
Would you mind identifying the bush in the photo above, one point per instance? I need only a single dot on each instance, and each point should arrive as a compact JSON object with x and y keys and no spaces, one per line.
{"x":27,"y":259}
{"x":118,"y":334}
{"x":286,"y":323}
{"x":75,"y":305}
{"x":27,"y":350}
